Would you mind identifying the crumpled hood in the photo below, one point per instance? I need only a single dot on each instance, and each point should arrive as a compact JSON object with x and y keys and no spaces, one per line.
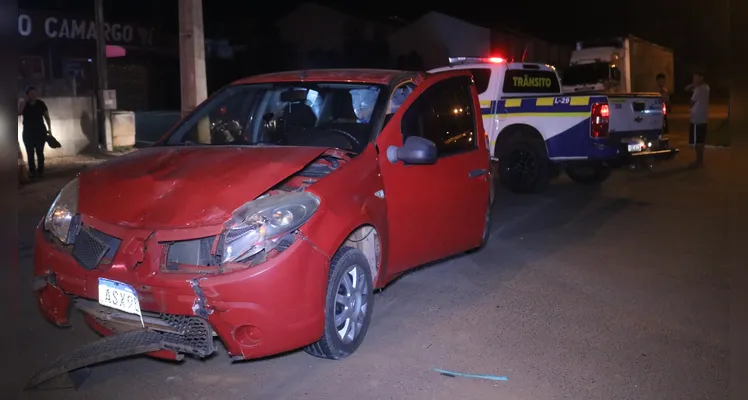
{"x":176,"y":187}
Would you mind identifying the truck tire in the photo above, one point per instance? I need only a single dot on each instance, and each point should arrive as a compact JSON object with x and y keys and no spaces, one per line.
{"x":588,"y":174}
{"x":348,"y":306}
{"x":524,"y":166}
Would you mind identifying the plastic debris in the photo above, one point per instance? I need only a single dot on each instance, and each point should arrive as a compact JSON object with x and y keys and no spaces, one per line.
{"x":452,"y":374}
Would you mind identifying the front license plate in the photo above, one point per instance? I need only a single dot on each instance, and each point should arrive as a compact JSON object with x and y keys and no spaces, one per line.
{"x":119,"y":295}
{"x":635,"y":148}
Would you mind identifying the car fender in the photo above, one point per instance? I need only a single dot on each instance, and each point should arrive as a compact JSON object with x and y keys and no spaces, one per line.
{"x":350,"y":198}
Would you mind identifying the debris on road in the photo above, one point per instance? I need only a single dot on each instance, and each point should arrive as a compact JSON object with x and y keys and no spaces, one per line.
{"x":452,"y":374}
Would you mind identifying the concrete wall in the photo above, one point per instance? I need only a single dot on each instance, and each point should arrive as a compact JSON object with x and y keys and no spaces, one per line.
{"x":72,"y":124}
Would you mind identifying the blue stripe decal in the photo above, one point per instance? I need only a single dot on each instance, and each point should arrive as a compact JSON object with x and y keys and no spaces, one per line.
{"x":528,"y":105}
{"x":573,"y":142}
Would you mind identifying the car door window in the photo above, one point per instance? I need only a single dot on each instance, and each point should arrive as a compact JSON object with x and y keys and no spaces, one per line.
{"x":444,"y":114}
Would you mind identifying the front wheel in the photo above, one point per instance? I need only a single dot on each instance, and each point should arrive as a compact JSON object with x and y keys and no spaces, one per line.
{"x":588,"y":174}
{"x":524,"y":167}
{"x":348,"y":306}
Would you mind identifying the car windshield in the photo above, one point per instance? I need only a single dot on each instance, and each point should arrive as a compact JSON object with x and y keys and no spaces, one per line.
{"x":285,"y":114}
{"x":586,"y":74}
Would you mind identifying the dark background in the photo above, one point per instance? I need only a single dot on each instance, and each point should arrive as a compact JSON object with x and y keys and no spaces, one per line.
{"x":697,"y":31}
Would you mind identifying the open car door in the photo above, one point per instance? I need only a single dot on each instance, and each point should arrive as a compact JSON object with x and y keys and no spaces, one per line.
{"x":435,"y":166}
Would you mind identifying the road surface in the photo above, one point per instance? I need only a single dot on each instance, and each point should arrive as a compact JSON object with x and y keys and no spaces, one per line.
{"x":618,"y":292}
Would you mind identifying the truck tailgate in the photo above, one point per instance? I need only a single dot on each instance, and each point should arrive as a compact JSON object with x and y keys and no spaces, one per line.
{"x":635,"y":114}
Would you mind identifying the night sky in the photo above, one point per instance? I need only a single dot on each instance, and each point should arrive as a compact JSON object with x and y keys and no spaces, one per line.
{"x":698,"y":31}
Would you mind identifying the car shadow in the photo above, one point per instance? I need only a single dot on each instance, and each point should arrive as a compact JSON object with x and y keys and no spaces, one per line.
{"x":526,"y":228}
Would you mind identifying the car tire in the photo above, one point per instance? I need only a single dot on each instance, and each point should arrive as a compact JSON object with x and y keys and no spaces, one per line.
{"x":349,"y":287}
{"x":524,"y":167}
{"x":588,"y":174}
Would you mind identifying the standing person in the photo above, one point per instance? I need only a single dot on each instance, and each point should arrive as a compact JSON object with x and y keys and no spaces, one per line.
{"x":699,"y":116}
{"x":35,"y":114}
{"x":665,"y":96}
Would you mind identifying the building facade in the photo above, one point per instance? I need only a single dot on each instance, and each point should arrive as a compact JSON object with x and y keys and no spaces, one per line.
{"x":57,"y":56}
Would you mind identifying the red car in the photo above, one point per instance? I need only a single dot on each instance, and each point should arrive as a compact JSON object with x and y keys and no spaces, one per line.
{"x":268,"y":216}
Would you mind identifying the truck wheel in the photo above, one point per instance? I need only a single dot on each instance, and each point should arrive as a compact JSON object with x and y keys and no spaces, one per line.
{"x":348,"y":306}
{"x":524,"y":167}
{"x":588,"y":174}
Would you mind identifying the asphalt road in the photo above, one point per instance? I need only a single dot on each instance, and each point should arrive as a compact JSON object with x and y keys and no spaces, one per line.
{"x":617,"y":292}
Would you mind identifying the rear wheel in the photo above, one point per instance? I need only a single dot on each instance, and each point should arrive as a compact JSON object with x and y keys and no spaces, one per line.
{"x":348,"y":306}
{"x":524,"y":167}
{"x":588,"y":174}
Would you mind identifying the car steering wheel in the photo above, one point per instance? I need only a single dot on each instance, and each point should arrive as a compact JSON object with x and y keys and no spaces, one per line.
{"x":352,"y":139}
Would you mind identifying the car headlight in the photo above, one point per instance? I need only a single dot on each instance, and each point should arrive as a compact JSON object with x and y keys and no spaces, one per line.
{"x":61,"y":213}
{"x":259,"y":224}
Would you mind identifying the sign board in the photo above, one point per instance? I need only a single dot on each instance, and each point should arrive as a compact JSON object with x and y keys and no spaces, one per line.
{"x":42,"y":25}
{"x":110,"y":99}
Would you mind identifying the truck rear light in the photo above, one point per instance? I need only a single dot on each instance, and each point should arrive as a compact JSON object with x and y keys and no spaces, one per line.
{"x":664,"y":109}
{"x":599,"y":120}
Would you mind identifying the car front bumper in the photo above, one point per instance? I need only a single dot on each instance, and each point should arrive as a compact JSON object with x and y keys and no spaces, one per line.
{"x":270,"y":308}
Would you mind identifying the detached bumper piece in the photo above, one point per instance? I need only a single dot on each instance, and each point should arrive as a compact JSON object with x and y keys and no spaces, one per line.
{"x":191,"y":336}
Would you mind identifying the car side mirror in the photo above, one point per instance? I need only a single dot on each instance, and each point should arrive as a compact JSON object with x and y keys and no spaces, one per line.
{"x":415,"y":150}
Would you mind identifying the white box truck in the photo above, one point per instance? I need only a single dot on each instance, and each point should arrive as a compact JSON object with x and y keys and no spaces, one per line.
{"x":617,"y":65}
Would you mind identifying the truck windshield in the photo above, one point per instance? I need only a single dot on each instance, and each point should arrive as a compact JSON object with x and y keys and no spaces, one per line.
{"x":283,"y":114}
{"x":586,"y":74}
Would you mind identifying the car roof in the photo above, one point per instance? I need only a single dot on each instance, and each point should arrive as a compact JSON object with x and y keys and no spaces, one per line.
{"x":373,"y":76}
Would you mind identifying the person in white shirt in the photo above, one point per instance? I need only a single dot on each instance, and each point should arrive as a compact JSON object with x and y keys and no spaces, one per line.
{"x":699,"y":116}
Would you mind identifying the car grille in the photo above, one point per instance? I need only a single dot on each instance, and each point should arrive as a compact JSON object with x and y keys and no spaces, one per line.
{"x":184,"y":334}
{"x":92,"y":246}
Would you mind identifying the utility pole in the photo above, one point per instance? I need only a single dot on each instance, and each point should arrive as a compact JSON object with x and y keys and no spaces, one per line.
{"x":101,"y":73}
{"x":192,"y":62}
{"x":192,"y":54}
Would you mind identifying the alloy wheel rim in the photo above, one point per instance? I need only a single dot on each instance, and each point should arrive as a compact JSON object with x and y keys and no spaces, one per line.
{"x":351,"y":304}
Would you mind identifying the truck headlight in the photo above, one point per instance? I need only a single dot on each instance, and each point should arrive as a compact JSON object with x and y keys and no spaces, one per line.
{"x":259,"y":224}
{"x":62,"y":211}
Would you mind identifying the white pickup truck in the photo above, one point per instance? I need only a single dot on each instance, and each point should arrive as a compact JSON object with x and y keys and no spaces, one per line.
{"x":536,"y":132}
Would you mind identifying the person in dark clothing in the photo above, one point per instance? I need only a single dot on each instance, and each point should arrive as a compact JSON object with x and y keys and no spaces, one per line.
{"x":665,"y":97}
{"x":35,"y":114}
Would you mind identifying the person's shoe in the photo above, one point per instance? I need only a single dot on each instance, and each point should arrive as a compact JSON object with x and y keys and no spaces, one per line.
{"x":696,"y":164}
{"x":41,"y":175}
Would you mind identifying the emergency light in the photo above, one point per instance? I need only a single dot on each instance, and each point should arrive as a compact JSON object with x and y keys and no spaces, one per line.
{"x":472,"y":60}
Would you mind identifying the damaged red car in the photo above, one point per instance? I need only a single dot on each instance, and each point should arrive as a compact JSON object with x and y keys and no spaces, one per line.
{"x":267,"y":217}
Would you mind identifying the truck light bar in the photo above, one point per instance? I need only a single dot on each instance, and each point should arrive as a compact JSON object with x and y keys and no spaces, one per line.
{"x":475,"y":60}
